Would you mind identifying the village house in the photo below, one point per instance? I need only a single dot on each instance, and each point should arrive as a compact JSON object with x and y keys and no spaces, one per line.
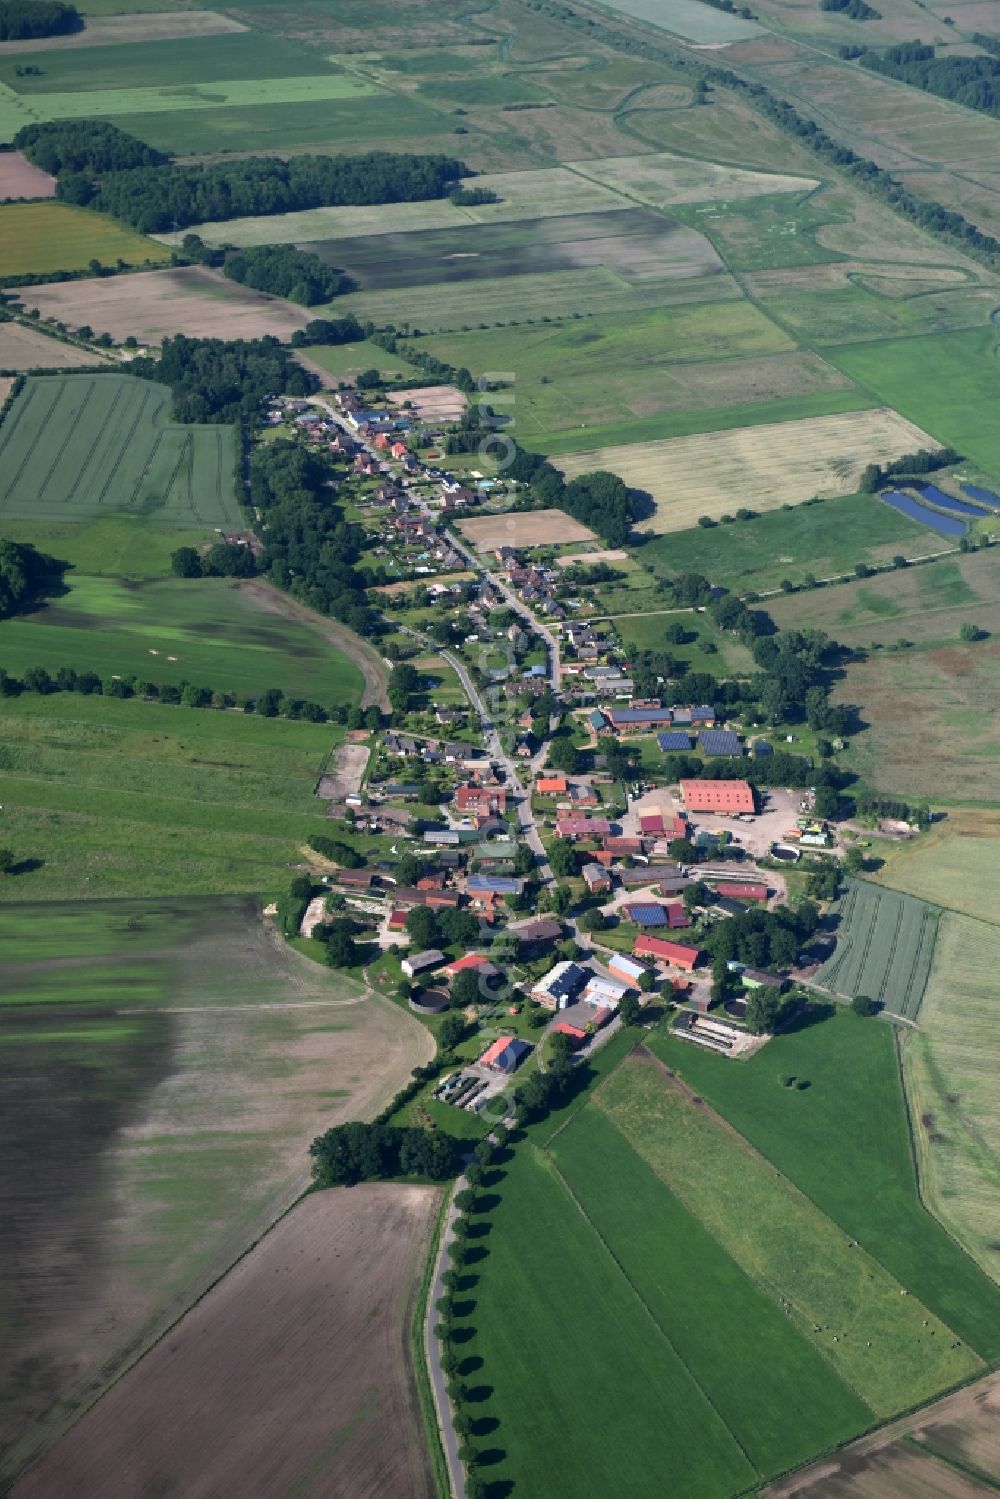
{"x":676,"y":953}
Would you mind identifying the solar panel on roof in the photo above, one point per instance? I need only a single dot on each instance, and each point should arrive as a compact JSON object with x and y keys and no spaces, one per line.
{"x":673,"y":741}
{"x":719,"y":742}
{"x":651,"y":915}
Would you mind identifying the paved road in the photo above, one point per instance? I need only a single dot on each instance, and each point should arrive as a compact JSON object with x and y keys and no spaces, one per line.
{"x":433,"y":1346}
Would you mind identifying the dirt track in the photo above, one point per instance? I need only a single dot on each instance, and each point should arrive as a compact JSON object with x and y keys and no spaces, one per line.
{"x":290,"y":1378}
{"x":365,"y":657}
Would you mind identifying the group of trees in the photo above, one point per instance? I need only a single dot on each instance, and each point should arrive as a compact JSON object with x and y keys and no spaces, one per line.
{"x":356,"y":1152}
{"x":223,"y":560}
{"x":222,"y":380}
{"x":309,"y":549}
{"x":25,"y":574}
{"x":972,"y":81}
{"x":857,"y":10}
{"x":426,"y":928}
{"x":763,"y":939}
{"x":21,"y":19}
{"x":286,"y":272}
{"x":104,"y":167}
{"x":923,"y":461}
{"x":342,"y":330}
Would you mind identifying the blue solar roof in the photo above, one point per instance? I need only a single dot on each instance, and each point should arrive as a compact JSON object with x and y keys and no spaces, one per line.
{"x":763,"y":747}
{"x":501,"y":884}
{"x":651,"y":915}
{"x":674,"y":741}
{"x":641,"y":715}
{"x":719,"y":742}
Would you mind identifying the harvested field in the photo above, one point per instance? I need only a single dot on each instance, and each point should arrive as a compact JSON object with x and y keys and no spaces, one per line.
{"x":885,"y":941}
{"x":569,"y":559}
{"x":23,"y":348}
{"x":18,"y":178}
{"x":74,"y":447}
{"x":109,"y":31}
{"x":963,"y":1429}
{"x":322,"y":1355}
{"x":663,"y":178}
{"x":44,"y":237}
{"x":760,"y":467}
{"x":529,"y":528}
{"x":175,"y":1057}
{"x":434,"y":403}
{"x":154,"y":305}
{"x":950,"y":1068}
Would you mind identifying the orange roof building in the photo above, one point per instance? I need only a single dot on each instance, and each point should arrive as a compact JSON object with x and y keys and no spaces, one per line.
{"x":718,"y":796}
{"x":668,"y":952}
{"x":551,"y":785}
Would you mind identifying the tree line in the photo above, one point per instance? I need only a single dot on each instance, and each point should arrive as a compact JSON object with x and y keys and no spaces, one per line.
{"x":271,"y":703}
{"x":21,"y":19}
{"x":100,"y":166}
{"x":923,"y":461}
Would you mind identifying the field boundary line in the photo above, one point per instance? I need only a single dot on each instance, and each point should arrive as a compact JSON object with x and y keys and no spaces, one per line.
{"x":553,"y":1165}
{"x":956,"y":1466}
{"x":421,"y":1348}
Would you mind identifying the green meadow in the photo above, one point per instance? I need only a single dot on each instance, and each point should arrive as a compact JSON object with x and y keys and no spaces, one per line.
{"x":213,"y":632}
{"x":949,"y":384}
{"x":108,"y":797}
{"x":828,"y":538}
{"x":822,"y":1138}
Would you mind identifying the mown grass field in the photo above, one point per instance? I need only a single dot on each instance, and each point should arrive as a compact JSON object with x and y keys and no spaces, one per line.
{"x":821,"y":1139}
{"x":827,"y":540}
{"x":833,"y":1293}
{"x":109,"y":797}
{"x":116,"y":546}
{"x":648,"y":632}
{"x":738,"y":1344}
{"x":46,"y":237}
{"x":548,"y":1441}
{"x":950,"y":1067}
{"x":884,"y":946}
{"x":949,"y":384}
{"x":81,"y":446}
{"x":211,"y":632}
{"x":174,"y":1058}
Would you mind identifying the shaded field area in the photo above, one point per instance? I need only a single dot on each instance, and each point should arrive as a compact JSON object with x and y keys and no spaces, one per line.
{"x":174,"y":1058}
{"x":927,"y":605}
{"x":330,"y":1287}
{"x":151,"y":306}
{"x":884,"y":945}
{"x":929,"y":731}
{"x":850,"y":1070}
{"x":761,"y":467}
{"x":635,"y":243}
{"x":78,"y":446}
{"x":948,"y":384}
{"x":43,"y":237}
{"x":209,"y":632}
{"x":825,"y":540}
{"x":109,"y":797}
{"x":950,"y":1071}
